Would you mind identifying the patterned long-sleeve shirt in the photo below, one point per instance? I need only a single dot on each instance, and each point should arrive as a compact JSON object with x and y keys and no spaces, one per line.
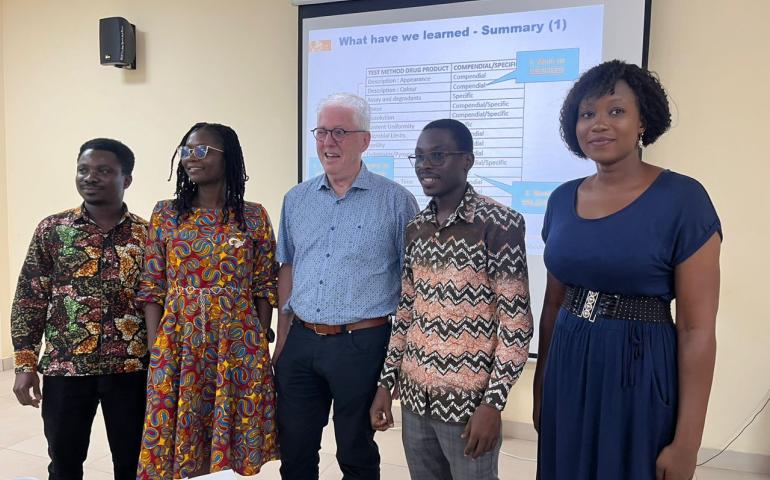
{"x":77,"y":288}
{"x":462,"y":330}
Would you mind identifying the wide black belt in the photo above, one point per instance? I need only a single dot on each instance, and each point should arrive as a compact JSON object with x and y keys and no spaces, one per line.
{"x":590,"y":304}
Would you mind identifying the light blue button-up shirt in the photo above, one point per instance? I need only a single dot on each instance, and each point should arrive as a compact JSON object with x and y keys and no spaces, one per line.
{"x":346,"y":253}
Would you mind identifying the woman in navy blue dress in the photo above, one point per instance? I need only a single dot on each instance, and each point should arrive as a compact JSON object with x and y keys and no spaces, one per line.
{"x":620,"y":388}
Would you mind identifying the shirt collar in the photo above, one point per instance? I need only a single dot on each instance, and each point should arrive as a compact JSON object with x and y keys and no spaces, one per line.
{"x":81,"y":214}
{"x":363,"y":180}
{"x":465,"y":211}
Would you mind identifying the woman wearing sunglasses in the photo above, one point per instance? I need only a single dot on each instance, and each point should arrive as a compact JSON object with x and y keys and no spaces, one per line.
{"x":208,"y":290}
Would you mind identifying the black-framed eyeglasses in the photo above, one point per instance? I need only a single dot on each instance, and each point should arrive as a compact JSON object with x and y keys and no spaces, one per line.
{"x":433,"y":159}
{"x":338,"y":134}
{"x":199,"y":151}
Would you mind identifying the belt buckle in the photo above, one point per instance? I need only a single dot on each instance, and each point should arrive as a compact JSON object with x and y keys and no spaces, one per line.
{"x":315,"y":329}
{"x":589,"y":306}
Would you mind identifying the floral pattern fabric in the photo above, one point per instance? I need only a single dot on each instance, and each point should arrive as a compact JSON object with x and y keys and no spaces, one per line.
{"x":211,"y":398}
{"x":77,"y":289}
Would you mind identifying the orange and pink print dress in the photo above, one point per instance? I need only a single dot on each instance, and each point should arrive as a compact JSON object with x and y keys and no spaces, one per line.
{"x":210,"y":392}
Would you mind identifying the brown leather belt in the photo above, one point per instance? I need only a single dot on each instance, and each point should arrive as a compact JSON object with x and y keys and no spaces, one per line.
{"x":323,"y":329}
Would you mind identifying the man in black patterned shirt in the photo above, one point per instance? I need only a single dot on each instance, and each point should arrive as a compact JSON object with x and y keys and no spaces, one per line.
{"x":76,"y":289}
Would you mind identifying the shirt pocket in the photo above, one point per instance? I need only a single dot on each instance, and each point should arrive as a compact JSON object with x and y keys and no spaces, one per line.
{"x":372,"y":240}
{"x":357,"y":236}
{"x":368,"y":261}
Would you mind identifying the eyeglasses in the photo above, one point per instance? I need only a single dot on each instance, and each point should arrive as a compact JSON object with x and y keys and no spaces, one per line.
{"x":433,"y":159}
{"x":338,"y":134}
{"x":200,"y":151}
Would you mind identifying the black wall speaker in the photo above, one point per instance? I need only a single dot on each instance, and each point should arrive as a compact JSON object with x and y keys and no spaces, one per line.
{"x":117,"y":43}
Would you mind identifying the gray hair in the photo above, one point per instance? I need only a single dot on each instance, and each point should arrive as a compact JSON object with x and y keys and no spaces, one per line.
{"x":360,"y":107}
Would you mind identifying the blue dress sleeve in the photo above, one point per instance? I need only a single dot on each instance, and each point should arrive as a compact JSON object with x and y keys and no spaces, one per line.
{"x":547,"y":219}
{"x":560,"y":200}
{"x":698,"y":221}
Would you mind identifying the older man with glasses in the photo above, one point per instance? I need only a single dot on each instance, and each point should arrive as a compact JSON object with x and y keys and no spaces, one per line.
{"x":340,"y":243}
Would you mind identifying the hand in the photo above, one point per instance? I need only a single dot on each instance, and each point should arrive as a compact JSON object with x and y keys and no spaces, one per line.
{"x":380,"y":413}
{"x":396,"y":392}
{"x":482,"y":431}
{"x":676,"y":463}
{"x":278,"y":349}
{"x":284,"y":326}
{"x":25,"y":381}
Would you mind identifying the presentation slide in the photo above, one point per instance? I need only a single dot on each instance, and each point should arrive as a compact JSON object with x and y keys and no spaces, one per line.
{"x":412,"y":73}
{"x":503,"y":74}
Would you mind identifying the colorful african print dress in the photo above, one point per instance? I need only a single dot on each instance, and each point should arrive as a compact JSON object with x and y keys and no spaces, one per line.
{"x":210,"y":393}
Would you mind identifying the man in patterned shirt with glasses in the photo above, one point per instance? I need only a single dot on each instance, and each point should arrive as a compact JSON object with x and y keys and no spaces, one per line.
{"x":461,"y":334}
{"x":341,"y":247}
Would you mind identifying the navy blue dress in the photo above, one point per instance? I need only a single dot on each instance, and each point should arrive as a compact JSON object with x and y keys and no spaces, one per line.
{"x":609,"y":402}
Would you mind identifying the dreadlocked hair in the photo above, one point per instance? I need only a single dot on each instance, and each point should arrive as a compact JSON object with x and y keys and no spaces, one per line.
{"x":235,"y":175}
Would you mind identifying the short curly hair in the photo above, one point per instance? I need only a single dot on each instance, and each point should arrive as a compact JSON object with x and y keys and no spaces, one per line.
{"x":600,"y":80}
{"x":124,"y":154}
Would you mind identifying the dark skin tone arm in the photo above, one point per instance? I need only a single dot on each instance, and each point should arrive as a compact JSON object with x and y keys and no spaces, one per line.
{"x":482,"y":430}
{"x":265,"y":313}
{"x":697,"y":300}
{"x":284,"y":319}
{"x":381,"y":413}
{"x":554,"y":295}
{"x":22,"y":385}
{"x":152,"y":314}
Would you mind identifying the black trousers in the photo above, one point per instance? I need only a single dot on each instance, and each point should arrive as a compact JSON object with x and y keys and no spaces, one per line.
{"x":69,"y":406}
{"x":313,"y":371}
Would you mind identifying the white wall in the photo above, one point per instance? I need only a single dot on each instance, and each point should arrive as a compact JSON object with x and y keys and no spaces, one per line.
{"x":5,"y":342}
{"x":198,"y":61}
